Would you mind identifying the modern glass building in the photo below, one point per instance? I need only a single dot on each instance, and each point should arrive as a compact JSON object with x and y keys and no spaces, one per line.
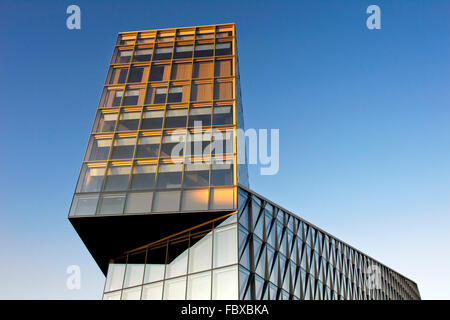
{"x":163,"y":205}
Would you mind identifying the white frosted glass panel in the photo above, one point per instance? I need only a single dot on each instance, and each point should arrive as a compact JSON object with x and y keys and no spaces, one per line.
{"x":200,"y":254}
{"x":225,"y":246}
{"x":112,"y":295}
{"x":152,"y":291}
{"x":225,"y":284}
{"x":133,"y":275}
{"x":154,"y":272}
{"x":175,"y":289}
{"x":166,"y":201}
{"x":178,"y":266}
{"x":140,"y":202}
{"x":199,"y":286}
{"x":114,"y":278}
{"x":132,"y":294}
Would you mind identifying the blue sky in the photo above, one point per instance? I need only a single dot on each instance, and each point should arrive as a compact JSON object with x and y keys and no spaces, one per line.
{"x":363,"y":117}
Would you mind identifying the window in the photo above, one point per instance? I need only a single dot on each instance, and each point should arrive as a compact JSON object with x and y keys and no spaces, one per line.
{"x":117,"y":75}
{"x":160,"y":72}
{"x":205,"y":36}
{"x":156,"y":263}
{"x":126,"y":39}
{"x":221,"y":174}
{"x":223,"y":90}
{"x":156,"y":95}
{"x":111,"y":203}
{"x":84,"y":205}
{"x":223,"y":48}
{"x":176,"y":118}
{"x":143,"y":177}
{"x":123,"y":56}
{"x":223,"y":34}
{"x":91,"y":178}
{"x":195,"y":199}
{"x":222,"y":115}
{"x":106,"y":122}
{"x":200,"y":253}
{"x":204,"y":50}
{"x":134,"y":271}
{"x":123,"y":148}
{"x":223,"y":68}
{"x":222,"y":198}
{"x":201,"y":92}
{"x":196,"y":175}
{"x":98,"y":148}
{"x":136,"y":74}
{"x":142,"y":55}
{"x":129,"y":121}
{"x":148,"y":147}
{"x":183,"y":52}
{"x":198,"y":143}
{"x":175,"y":289}
{"x":131,"y":294}
{"x":166,"y":201}
{"x":225,"y":246}
{"x":203,"y":69}
{"x":152,"y":291}
{"x":152,"y":120}
{"x":139,"y":202}
{"x":178,"y":94}
{"x":164,"y":53}
{"x":169,"y":176}
{"x":173,"y":143}
{"x":117,"y":178}
{"x":146,"y":38}
{"x":131,"y":97}
{"x":114,"y":277}
{"x":222,"y":142}
{"x":199,"y":286}
{"x":181,"y":71}
{"x":111,"y":97}
{"x":177,"y":257}
{"x":225,"y":284}
{"x":200,"y":115}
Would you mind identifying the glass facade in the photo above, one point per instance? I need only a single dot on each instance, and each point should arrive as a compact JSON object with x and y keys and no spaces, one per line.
{"x":161,"y":170}
{"x":167,"y":114}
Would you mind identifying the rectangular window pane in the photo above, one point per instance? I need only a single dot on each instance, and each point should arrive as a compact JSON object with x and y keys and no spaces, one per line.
{"x":135,"y":270}
{"x":181,"y":71}
{"x":177,"y":258}
{"x":160,"y":72}
{"x":223,"y":48}
{"x":166,"y":201}
{"x":123,"y":148}
{"x":199,"y":286}
{"x":98,"y":148}
{"x":91,"y":179}
{"x":223,"y":115}
{"x":201,"y":92}
{"x":143,"y":177}
{"x":223,"y":68}
{"x":105,"y":122}
{"x":111,"y":204}
{"x":223,"y":90}
{"x":225,"y":284}
{"x":200,"y":253}
{"x":169,"y":176}
{"x":152,"y":291}
{"x":196,"y":199}
{"x":203,"y":69}
{"x":152,"y":120}
{"x":225,"y":246}
{"x":196,"y":175}
{"x":175,"y":289}
{"x":131,"y":294}
{"x":156,"y":263}
{"x":148,"y":146}
{"x":117,"y":178}
{"x":114,"y":277}
{"x":84,"y":205}
{"x":221,"y":174}
{"x":139,"y":202}
{"x":222,"y":198}
{"x":183,"y":52}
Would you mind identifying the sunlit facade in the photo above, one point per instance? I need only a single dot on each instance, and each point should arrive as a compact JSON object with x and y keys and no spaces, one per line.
{"x":162,"y":203}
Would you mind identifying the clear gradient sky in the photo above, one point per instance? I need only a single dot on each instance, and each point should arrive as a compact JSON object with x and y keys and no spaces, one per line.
{"x":364,"y":121}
